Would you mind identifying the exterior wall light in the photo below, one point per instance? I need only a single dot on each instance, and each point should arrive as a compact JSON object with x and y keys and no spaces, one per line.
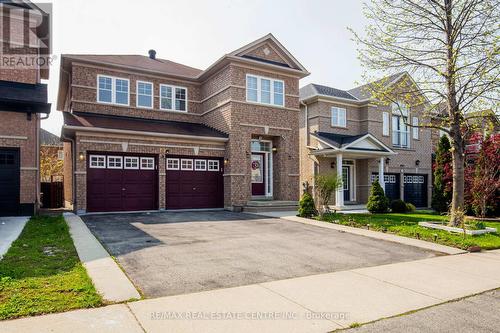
{"x":387,"y":160}
{"x":81,"y":156}
{"x":417,"y":162}
{"x":226,"y":161}
{"x":274,"y":149}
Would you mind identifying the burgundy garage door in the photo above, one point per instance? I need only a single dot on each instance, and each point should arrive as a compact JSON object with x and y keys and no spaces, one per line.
{"x":194,"y":182}
{"x":121,"y":182}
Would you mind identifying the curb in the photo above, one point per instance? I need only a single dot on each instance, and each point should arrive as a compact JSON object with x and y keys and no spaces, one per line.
{"x":109,"y":280}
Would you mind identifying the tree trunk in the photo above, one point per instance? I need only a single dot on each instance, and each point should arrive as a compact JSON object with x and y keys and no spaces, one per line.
{"x":457,"y":201}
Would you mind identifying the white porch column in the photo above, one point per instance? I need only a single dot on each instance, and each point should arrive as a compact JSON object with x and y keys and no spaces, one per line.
{"x":381,"y":173}
{"x":339,"y":198}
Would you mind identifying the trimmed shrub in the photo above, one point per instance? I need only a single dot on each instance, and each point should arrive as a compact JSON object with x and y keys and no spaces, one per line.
{"x":398,"y":206}
{"x":306,"y":206}
{"x":410,"y":207}
{"x":377,"y":201}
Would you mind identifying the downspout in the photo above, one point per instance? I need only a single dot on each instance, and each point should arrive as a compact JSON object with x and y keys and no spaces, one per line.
{"x":306,"y":124}
{"x":38,"y":166}
{"x":73,"y":166}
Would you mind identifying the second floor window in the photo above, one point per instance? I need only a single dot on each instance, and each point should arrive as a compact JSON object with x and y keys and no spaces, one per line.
{"x":400,"y":131}
{"x":112,"y":90}
{"x":339,"y":117}
{"x":264,"y":90}
{"x":173,"y":98}
{"x":144,"y":94}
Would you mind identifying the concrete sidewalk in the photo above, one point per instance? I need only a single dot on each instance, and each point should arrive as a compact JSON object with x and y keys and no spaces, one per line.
{"x":109,"y":280}
{"x":10,"y":229}
{"x":317,"y":303}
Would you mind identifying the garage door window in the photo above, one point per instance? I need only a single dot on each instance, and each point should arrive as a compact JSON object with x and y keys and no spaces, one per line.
{"x":186,"y":164}
{"x":172,"y":164}
{"x":131,"y":162}
{"x":213,"y":165}
{"x":98,"y":161}
{"x":200,"y":165}
{"x":115,"y":162}
{"x":147,"y":163}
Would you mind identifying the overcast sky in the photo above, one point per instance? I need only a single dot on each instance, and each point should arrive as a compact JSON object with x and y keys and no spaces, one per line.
{"x":197,"y":33}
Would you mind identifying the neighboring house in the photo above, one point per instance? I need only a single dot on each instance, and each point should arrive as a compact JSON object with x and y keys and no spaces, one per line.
{"x":348,"y":133}
{"x":23,"y":103}
{"x":146,"y":133}
{"x":51,"y":156}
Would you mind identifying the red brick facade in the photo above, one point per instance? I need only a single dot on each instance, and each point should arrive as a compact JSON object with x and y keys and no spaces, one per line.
{"x":215,"y":98}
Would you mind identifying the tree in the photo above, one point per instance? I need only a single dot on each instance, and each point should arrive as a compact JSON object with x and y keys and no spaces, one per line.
{"x":485,"y":180}
{"x":325,"y":185}
{"x":50,"y":165}
{"x":450,"y":48}
{"x":377,"y":201}
{"x":443,"y":176}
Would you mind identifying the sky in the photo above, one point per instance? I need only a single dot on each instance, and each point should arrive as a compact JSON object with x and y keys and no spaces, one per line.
{"x":198,"y":32}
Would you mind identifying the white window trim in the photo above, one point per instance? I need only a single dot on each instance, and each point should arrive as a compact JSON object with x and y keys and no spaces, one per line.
{"x":97,"y":166}
{"x":200,"y":169}
{"x":147,"y":159}
{"x":178,"y":164}
{"x":173,"y":97}
{"x":113,"y":90}
{"x":130,"y":158}
{"x":187,"y":160}
{"x":259,"y":90}
{"x":338,"y":117}
{"x":385,"y":124}
{"x":137,"y":94}
{"x":115,"y":157}
{"x":216,"y":163}
{"x":414,"y":122}
{"x":401,"y":132}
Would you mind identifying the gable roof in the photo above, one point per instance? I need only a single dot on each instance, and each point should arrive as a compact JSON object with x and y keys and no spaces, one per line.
{"x":313,"y":89}
{"x":49,"y":139}
{"x":352,"y":142}
{"x":364,"y":91}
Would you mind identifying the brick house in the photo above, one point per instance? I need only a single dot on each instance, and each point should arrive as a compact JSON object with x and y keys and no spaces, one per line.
{"x":23,"y":103}
{"x":347,"y":132}
{"x":144,"y":133}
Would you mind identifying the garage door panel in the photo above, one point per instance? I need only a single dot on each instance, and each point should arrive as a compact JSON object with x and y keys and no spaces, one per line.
{"x":187,"y":189}
{"x":120,"y":189}
{"x":415,"y":189}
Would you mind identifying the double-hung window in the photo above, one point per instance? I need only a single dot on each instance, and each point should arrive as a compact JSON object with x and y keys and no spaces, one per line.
{"x":414,"y":123}
{"x":144,"y":94}
{"x":112,"y":90}
{"x":173,"y":98}
{"x":400,"y":132}
{"x":265,"y":90}
{"x":339,"y":117}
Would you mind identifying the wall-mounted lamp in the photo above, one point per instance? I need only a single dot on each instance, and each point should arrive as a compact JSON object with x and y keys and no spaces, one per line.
{"x":387,"y":160}
{"x":247,"y":153}
{"x":332,"y":165}
{"x":417,"y":162}
{"x":226,"y":161}
{"x":81,"y":156}
{"x":274,"y":149}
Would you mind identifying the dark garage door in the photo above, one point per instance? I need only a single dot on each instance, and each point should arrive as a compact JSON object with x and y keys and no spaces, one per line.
{"x":121,"y":182}
{"x":194,"y":182}
{"x":392,"y":188}
{"x":415,"y":189}
{"x":9,"y":181}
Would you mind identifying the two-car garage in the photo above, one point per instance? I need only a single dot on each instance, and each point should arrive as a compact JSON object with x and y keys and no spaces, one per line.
{"x":130,"y":182}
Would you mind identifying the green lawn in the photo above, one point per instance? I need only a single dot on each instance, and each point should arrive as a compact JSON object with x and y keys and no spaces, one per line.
{"x":41,"y":272}
{"x":407,"y":225}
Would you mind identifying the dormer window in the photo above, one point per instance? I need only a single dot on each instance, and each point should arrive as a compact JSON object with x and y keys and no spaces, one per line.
{"x":144,"y":94}
{"x":112,"y":90}
{"x":265,"y":90}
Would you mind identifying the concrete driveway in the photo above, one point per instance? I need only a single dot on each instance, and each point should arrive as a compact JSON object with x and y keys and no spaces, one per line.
{"x":184,"y":252}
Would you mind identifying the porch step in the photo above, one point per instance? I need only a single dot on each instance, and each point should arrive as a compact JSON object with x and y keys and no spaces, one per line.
{"x":257,"y":206}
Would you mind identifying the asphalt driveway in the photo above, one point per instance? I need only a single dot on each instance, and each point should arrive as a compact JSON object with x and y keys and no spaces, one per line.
{"x":183,"y":252}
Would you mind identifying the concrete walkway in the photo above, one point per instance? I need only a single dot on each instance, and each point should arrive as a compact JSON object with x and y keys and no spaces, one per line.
{"x":291,"y":216}
{"x":317,"y":303}
{"x":10,"y":229}
{"x":109,"y":280}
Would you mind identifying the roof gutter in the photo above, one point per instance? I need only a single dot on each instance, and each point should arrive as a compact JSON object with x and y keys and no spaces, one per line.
{"x":153,"y":134}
